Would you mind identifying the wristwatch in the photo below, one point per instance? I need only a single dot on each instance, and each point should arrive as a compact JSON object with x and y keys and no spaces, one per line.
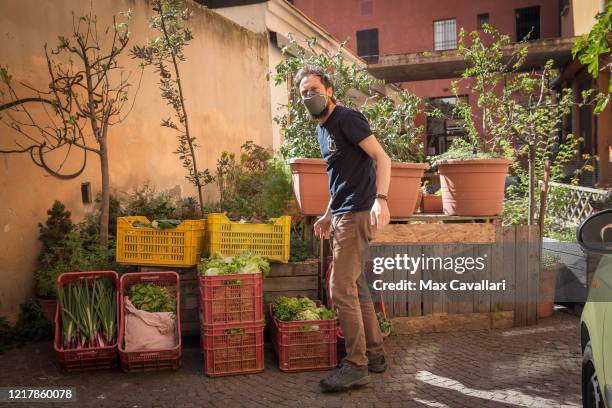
{"x":381,"y":196}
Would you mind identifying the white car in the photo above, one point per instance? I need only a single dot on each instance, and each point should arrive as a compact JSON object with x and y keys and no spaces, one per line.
{"x":595,"y":236}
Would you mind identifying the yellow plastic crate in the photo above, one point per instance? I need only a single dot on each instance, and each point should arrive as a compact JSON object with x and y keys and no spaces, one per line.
{"x":180,"y":246}
{"x":271,"y":241}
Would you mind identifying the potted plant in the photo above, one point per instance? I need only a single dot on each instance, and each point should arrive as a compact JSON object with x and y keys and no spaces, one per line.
{"x":391,"y":119}
{"x":45,"y":291}
{"x":432,"y":203}
{"x":473,"y":170}
{"x":547,"y":285}
{"x":53,"y":235}
{"x":67,"y":247}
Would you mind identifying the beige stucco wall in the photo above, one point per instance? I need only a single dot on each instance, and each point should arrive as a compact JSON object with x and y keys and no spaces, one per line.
{"x":580,"y":17}
{"x":228,"y":100}
{"x":254,"y":18}
{"x":280,"y":17}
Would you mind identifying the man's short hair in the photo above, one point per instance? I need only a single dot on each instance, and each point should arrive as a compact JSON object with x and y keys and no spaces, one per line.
{"x":310,"y":70}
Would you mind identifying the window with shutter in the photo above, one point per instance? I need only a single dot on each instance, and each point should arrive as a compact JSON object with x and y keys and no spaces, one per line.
{"x":445,"y":34}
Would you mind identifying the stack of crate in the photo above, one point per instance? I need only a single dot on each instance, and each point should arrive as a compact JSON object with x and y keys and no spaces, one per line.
{"x":232,"y":319}
{"x":159,"y":250}
{"x":232,"y":324}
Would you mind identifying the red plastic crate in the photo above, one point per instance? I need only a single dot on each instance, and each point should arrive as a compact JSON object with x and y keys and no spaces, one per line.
{"x":94,"y":358}
{"x":304,"y":350}
{"x":227,"y":353}
{"x":231,"y":298}
{"x":150,"y":360}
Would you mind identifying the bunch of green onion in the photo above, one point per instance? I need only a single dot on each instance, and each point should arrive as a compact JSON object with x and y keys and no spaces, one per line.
{"x":89,"y":313}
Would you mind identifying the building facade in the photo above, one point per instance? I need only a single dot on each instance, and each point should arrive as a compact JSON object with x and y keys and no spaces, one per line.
{"x":407,"y":30}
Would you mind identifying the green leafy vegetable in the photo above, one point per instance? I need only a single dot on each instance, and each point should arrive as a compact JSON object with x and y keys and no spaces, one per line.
{"x":244,"y":262}
{"x":157,"y":224}
{"x":384,"y":323}
{"x":300,"y":309}
{"x":152,"y":298}
{"x":325,"y":313}
{"x":308,"y":315}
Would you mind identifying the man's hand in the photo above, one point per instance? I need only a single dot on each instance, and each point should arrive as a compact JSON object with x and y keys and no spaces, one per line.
{"x":379,"y":214}
{"x":323,"y":225}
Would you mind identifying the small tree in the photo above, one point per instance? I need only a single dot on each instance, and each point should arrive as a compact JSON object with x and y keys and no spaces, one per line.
{"x":392,"y":121}
{"x":517,"y":113}
{"x":87,"y":94}
{"x":165,"y":53}
{"x":485,"y":78}
{"x":535,"y":122}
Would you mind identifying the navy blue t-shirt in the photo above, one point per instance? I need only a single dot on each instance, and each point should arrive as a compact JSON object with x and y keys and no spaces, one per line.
{"x":352,"y":179}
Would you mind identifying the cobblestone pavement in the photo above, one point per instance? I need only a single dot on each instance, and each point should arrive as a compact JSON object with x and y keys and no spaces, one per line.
{"x":537,"y":366}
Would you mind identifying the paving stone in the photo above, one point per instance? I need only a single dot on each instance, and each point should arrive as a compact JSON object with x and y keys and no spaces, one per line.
{"x":538,"y":366}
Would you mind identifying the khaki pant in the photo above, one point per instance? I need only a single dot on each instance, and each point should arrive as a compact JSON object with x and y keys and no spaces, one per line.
{"x":351,"y":233}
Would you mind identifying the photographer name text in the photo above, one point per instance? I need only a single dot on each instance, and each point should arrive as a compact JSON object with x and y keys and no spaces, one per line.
{"x":454,"y":285}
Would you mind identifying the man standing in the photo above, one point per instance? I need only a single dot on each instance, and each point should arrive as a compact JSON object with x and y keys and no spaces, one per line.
{"x":357,"y":207}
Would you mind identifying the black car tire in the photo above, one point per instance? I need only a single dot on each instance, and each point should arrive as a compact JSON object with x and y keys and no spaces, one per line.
{"x":591,"y":393}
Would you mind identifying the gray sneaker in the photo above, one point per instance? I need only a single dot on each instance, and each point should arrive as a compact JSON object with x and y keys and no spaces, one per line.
{"x":344,"y":378}
{"x":377,"y":364}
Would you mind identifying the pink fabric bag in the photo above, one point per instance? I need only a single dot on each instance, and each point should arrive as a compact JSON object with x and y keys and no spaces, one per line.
{"x":148,"y":331}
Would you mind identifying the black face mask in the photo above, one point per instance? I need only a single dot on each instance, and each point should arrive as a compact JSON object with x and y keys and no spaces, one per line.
{"x":316,"y":104}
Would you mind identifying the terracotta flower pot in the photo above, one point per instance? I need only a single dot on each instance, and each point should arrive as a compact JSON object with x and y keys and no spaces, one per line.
{"x":546,"y":292}
{"x":48,"y":306}
{"x":432,"y":203}
{"x":310,"y":185}
{"x":404,"y":188}
{"x":418,"y":201}
{"x":473,"y":187}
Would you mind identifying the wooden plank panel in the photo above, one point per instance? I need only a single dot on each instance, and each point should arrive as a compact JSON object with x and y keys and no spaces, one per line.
{"x":427,"y":297}
{"x":291,"y":283}
{"x":310,"y":267}
{"x":521,"y":262}
{"x":440,"y":298}
{"x":497,"y":271}
{"x":508,"y":250}
{"x":458,"y":302}
{"x":400,"y":298}
{"x":482,"y":298}
{"x":533,"y":274}
{"x":453,"y":300}
{"x":436,"y":233}
{"x":415,"y":297}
